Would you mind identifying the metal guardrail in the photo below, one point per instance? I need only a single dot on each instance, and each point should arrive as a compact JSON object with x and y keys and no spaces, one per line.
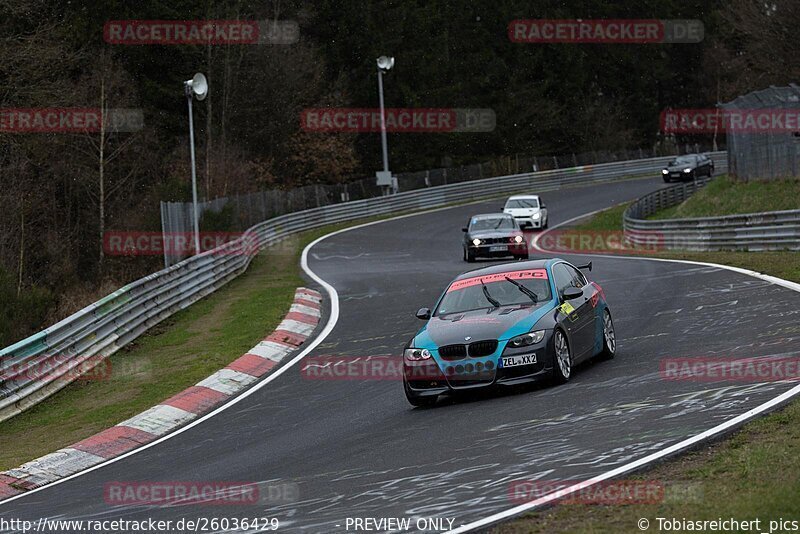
{"x":772,"y":230}
{"x":40,"y":365}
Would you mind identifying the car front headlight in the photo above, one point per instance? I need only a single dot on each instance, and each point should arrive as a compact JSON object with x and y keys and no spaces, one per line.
{"x":687,"y":170}
{"x":517,"y":239}
{"x":537,"y":215}
{"x":531,"y":338}
{"x":664,"y":171}
{"x":476,"y":241}
{"x":416,"y":355}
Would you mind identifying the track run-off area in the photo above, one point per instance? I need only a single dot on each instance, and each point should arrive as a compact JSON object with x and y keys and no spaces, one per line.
{"x":357,"y":449}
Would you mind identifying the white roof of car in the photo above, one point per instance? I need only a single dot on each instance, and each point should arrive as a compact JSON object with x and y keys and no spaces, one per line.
{"x":523,"y":196}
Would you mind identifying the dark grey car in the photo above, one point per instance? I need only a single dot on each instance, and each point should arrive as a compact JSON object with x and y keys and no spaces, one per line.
{"x":494,"y":235}
{"x":688,"y":167}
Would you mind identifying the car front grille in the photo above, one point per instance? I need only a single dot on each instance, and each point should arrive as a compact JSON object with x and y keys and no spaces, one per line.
{"x":477,"y":349}
{"x":453,"y":352}
{"x":495,"y":240}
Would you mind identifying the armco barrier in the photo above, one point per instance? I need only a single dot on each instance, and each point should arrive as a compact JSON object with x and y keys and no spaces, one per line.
{"x":773,"y":230}
{"x":97,"y":331}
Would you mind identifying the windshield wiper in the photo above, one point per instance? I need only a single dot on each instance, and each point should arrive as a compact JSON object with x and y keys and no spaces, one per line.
{"x":533,"y":296}
{"x":489,"y":297}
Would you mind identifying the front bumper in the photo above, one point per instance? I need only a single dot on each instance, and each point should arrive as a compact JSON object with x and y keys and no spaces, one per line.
{"x":429,"y":378}
{"x":529,"y":222}
{"x":512,"y":249}
{"x":677,"y":175}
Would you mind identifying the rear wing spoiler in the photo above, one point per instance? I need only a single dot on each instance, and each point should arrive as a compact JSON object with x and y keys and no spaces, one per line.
{"x":587,"y":266}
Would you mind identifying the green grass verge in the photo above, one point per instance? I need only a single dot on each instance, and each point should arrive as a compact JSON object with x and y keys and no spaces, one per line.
{"x":177,"y":353}
{"x":724,"y":196}
{"x":753,"y":475}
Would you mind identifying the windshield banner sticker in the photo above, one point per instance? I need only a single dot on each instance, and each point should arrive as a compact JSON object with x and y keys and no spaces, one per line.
{"x":498,"y":277}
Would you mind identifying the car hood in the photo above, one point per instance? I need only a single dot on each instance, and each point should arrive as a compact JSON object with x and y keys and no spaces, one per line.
{"x":493,"y":323}
{"x":486,"y":234}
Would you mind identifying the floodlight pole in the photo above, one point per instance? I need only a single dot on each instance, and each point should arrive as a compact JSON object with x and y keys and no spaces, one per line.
{"x":195,"y":214}
{"x":383,"y":122}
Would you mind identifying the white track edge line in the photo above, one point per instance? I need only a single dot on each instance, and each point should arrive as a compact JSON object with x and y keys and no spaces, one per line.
{"x":685,"y":444}
{"x":329,"y":326}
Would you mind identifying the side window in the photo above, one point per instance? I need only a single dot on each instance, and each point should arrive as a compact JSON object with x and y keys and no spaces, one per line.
{"x":563,"y":277}
{"x":578,"y":280}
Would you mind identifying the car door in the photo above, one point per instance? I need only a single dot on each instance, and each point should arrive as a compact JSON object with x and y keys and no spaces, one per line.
{"x":576,"y":315}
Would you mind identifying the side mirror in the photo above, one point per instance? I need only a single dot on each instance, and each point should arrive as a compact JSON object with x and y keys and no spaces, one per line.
{"x":424,"y":314}
{"x":464,"y":229}
{"x":571,"y":293}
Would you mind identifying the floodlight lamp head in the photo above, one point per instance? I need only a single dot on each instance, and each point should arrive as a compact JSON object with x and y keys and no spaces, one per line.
{"x":385,"y":63}
{"x":197,"y":87}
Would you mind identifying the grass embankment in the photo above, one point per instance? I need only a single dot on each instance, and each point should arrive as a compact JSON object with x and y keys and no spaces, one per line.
{"x":753,"y":475}
{"x":179,"y":352}
{"x":724,"y":196}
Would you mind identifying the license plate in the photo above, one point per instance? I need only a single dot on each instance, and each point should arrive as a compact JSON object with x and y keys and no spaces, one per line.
{"x":513,"y":361}
{"x":675,"y":174}
{"x":498,"y":248}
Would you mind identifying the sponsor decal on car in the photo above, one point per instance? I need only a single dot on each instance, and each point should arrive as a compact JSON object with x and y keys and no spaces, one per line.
{"x":566,"y":308}
{"x":498,"y":277}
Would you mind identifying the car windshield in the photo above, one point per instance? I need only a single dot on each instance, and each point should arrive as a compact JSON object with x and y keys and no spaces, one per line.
{"x":683,"y":160}
{"x":492,"y":223}
{"x":467,"y":294}
{"x":516,"y":203}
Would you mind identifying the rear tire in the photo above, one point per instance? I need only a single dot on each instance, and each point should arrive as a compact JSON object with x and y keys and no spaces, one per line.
{"x":609,"y":337}
{"x":562,"y":358}
{"x":417,"y":401}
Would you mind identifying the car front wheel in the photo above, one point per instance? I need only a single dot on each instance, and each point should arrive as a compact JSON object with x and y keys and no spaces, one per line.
{"x":562,"y":368}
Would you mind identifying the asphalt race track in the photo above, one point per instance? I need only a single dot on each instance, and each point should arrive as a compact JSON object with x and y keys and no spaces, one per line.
{"x":357,"y":449}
